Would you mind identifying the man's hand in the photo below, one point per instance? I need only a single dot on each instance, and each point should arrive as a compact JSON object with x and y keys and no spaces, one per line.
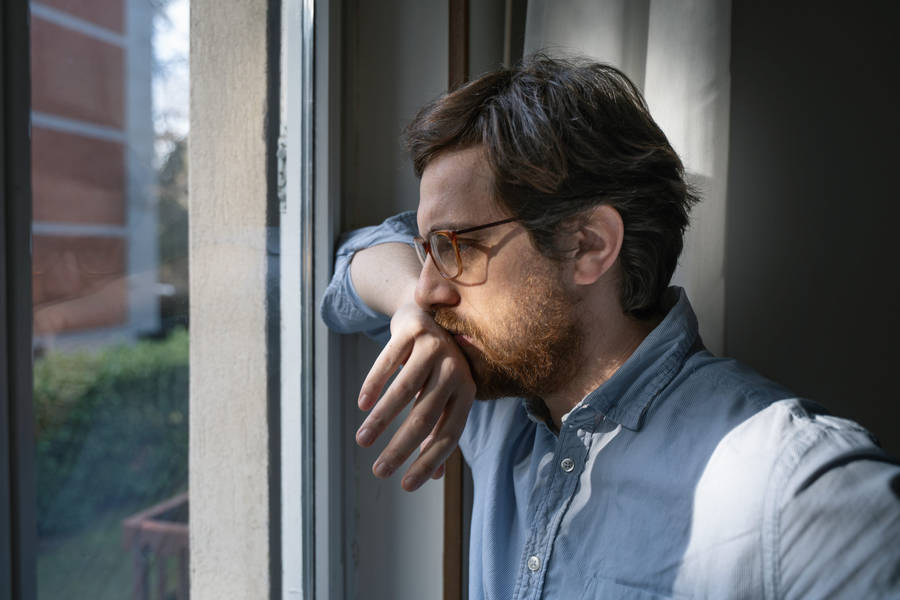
{"x":436,"y":376}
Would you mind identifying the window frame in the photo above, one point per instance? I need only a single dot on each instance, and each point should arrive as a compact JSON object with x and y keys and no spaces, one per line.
{"x":17,"y":522}
{"x":312,"y":445}
{"x":296,"y":284}
{"x":329,"y":478}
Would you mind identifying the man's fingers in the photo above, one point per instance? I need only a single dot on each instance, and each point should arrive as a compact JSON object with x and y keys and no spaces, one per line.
{"x":419,"y":423}
{"x":392,"y":356}
{"x":402,"y":390}
{"x":427,"y":442}
{"x":444,"y":437}
{"x":433,"y":372}
{"x":425,"y":445}
{"x":431,"y":461}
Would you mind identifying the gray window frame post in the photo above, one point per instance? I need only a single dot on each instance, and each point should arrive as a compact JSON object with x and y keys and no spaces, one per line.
{"x":17,"y":501}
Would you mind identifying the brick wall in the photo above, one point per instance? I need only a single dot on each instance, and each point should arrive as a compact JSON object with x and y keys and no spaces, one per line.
{"x":80,"y":165}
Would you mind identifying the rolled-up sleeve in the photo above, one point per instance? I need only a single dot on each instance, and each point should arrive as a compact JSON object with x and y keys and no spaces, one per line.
{"x":342,"y":310}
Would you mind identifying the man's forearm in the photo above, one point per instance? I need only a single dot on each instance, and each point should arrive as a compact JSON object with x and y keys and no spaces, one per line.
{"x":385,"y":275}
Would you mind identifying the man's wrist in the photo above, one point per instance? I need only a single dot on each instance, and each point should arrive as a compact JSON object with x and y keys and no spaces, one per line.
{"x":405,"y":295}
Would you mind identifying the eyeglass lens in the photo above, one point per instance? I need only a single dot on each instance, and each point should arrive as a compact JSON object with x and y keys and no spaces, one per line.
{"x":420,"y":250}
{"x":445,"y":254}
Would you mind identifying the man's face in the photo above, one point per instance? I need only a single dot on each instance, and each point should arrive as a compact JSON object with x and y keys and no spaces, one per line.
{"x":512,"y":310}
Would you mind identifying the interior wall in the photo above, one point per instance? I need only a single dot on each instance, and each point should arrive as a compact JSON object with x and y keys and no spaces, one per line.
{"x":487,"y":20}
{"x":686,"y":85}
{"x":395,"y":60}
{"x":812,"y":291}
{"x":611,"y":31}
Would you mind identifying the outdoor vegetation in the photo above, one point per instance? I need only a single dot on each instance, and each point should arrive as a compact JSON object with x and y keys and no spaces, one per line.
{"x":112,"y":439}
{"x":111,"y":430}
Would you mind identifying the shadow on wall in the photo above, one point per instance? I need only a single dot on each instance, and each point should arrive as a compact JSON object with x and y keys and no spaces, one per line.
{"x":811,"y":254}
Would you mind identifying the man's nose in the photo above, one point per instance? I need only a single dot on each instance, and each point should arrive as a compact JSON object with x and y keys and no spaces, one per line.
{"x":432,"y":290}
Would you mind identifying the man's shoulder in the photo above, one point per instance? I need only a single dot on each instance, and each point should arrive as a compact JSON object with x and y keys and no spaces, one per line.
{"x":716,"y":377}
{"x":763,"y":421}
{"x":707,"y":398}
{"x":791,"y":436}
{"x":762,"y":414}
{"x":796,"y":442}
{"x":786,"y":471}
{"x":751,"y":432}
{"x":762,"y":464}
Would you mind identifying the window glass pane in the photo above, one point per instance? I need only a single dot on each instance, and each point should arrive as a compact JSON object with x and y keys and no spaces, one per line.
{"x":110,"y":281}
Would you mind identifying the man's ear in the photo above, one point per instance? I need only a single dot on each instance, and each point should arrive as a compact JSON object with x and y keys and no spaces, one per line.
{"x":599,"y":241}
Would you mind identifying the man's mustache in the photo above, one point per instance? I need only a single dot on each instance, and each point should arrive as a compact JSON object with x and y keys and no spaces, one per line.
{"x":454,"y":324}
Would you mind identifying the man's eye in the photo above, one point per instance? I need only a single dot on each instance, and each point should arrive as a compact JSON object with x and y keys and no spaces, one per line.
{"x":464,"y":245}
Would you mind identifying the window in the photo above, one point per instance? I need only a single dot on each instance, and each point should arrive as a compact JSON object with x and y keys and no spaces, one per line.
{"x":109,"y":114}
{"x":122,"y":358}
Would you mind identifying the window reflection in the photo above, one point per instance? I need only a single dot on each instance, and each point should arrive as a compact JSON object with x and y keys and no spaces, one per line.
{"x":110,"y":296}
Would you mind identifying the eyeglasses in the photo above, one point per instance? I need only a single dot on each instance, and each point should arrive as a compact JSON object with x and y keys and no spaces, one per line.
{"x":443,"y":246}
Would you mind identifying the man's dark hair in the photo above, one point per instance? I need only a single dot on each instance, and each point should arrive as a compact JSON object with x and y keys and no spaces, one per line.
{"x":563,"y":136}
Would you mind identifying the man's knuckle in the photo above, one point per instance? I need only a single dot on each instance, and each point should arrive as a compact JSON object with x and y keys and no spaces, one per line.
{"x":416,"y":327}
{"x":452,"y":369}
{"x":406,"y":389}
{"x":420,"y":423}
{"x":431,"y":344}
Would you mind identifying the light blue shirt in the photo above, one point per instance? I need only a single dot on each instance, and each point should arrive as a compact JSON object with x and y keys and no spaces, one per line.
{"x":685,"y":475}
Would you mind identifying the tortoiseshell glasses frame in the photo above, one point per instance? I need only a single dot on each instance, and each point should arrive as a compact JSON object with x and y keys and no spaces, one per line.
{"x":443,"y":246}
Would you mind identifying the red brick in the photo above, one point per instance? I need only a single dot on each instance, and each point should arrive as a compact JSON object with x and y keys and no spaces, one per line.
{"x":78,"y":283}
{"x":105,"y":13}
{"x":76,"y":76}
{"x":77,"y":179}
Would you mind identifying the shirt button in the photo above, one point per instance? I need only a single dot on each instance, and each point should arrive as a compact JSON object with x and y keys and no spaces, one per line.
{"x":534,"y":563}
{"x":567,"y":464}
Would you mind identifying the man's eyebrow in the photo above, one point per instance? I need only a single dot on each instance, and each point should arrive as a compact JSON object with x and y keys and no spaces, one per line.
{"x":448,"y":226}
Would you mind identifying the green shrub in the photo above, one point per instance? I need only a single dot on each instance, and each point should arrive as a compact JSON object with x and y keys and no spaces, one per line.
{"x":111,"y":430}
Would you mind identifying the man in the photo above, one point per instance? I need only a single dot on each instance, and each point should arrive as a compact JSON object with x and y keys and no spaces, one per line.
{"x":612,"y":455}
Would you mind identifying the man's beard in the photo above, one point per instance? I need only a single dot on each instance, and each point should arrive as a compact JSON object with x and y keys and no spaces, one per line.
{"x":532,"y":350}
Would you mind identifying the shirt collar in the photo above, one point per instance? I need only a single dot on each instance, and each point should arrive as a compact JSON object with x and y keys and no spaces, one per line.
{"x":626,"y":397}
